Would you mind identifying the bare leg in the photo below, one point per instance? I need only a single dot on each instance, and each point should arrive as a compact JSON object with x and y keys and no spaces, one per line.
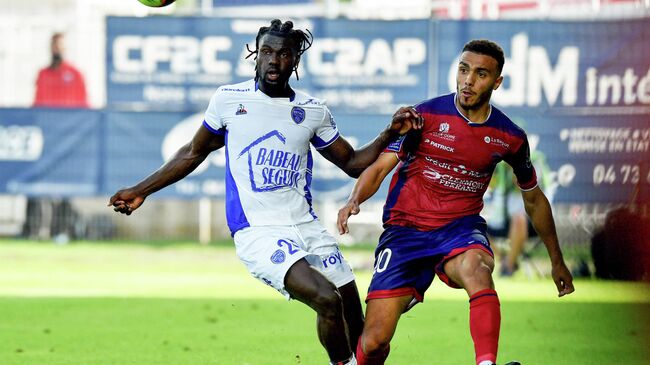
{"x":352,"y":311}
{"x":382,"y":316}
{"x":309,"y":286}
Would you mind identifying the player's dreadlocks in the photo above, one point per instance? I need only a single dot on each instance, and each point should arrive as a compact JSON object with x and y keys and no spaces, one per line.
{"x":303,"y":39}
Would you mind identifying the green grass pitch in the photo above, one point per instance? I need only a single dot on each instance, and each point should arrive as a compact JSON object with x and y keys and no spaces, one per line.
{"x":100,"y":304}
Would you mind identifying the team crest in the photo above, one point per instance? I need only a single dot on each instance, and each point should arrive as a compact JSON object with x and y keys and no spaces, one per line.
{"x":241,"y":110}
{"x":278,"y":257}
{"x":298,"y":114}
{"x":444,"y":128}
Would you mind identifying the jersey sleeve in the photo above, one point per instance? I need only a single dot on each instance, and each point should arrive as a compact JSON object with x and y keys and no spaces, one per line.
{"x":522,"y":166}
{"x":326,"y":132}
{"x":212,"y":119}
{"x":403,"y":145}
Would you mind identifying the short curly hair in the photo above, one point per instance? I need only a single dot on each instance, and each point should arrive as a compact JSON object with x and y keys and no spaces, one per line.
{"x":488,"y":48}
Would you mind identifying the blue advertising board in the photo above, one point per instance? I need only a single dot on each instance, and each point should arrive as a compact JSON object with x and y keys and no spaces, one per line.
{"x":600,"y":158}
{"x":50,"y":152}
{"x":178,"y":62}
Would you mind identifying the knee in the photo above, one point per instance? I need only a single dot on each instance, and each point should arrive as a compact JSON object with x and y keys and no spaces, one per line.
{"x":374,"y":344}
{"x":476,"y":268}
{"x":328,"y":302}
{"x":483,"y":273}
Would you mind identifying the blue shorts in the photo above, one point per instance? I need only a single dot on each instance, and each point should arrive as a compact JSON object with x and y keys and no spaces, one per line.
{"x":407,"y":260}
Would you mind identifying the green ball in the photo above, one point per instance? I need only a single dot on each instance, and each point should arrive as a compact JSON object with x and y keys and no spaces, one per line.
{"x":156,"y":3}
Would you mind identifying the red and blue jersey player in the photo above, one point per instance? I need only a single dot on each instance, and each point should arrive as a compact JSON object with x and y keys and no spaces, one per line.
{"x":431,"y":216}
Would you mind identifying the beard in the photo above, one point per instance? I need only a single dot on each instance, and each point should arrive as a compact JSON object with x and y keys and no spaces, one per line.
{"x":480,"y":100}
{"x":57,"y":58}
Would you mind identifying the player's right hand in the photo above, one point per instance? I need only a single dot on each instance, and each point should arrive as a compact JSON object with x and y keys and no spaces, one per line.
{"x":344,"y":213}
{"x":126,"y":201}
{"x":405,"y":119}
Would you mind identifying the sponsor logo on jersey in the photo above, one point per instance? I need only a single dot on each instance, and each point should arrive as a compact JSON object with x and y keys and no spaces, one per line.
{"x":333,"y":259}
{"x":279,"y":168}
{"x":241,"y":110}
{"x":443,"y":132}
{"x":461,"y":169}
{"x":311,"y":101}
{"x":496,"y":141}
{"x":271,"y":168}
{"x":298,"y":114}
{"x":236,"y":90}
{"x":439,"y":145}
{"x":431,"y":174}
{"x":453,"y":182}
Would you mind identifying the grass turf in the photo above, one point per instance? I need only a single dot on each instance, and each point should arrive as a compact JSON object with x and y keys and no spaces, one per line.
{"x":184,"y":304}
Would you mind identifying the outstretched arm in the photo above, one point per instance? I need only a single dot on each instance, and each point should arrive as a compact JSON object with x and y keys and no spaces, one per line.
{"x":186,"y":159}
{"x":539,"y":211}
{"x":353,"y":162}
{"x":365,"y":187}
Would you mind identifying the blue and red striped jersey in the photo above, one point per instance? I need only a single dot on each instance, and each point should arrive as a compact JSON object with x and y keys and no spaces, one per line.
{"x":446,"y":166}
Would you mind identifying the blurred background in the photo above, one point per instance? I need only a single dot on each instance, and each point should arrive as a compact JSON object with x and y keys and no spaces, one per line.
{"x":95,"y":95}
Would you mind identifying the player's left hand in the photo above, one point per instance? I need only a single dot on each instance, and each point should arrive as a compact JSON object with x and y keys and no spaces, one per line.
{"x":563,"y":279}
{"x":405,"y":119}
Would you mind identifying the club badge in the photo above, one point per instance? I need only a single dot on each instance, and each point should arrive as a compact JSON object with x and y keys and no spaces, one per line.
{"x":278,"y":257}
{"x":298,"y":114}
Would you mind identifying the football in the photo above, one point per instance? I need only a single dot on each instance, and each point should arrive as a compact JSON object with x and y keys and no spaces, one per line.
{"x":156,"y":3}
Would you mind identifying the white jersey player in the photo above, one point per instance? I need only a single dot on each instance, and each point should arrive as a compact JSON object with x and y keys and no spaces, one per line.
{"x":268,"y":177}
{"x":267,"y":129}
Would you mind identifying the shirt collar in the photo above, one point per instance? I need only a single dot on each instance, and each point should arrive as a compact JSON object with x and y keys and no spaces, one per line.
{"x":292,"y":97}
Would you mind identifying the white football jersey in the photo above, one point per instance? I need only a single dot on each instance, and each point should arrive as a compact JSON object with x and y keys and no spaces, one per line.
{"x":268,"y":159}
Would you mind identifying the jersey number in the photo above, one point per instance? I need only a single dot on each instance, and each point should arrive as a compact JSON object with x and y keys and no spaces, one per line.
{"x":383,"y":258}
{"x":291,"y":246}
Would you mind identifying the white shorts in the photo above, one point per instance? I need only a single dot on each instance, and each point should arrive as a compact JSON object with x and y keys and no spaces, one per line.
{"x":269,"y":251}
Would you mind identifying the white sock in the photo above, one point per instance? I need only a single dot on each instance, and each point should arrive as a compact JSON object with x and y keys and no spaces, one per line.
{"x":486,"y":362}
{"x":351,"y":361}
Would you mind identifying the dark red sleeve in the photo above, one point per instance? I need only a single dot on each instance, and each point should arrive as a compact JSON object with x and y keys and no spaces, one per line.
{"x":404,"y":145}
